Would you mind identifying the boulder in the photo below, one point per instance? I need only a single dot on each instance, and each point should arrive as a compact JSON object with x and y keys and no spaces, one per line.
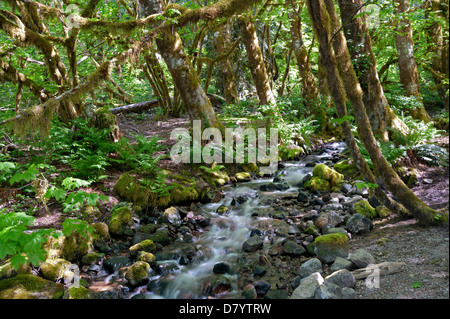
{"x":342,"y":278}
{"x":311,"y":266}
{"x":137,"y":274}
{"x":77,"y":293}
{"x":364,"y":208}
{"x":121,"y":222}
{"x":308,"y":286}
{"x":147,"y":245}
{"x":361,"y":258}
{"x":293,"y":249}
{"x":28,"y":286}
{"x":171,"y":215}
{"x":359,"y":224}
{"x":330,"y":246}
{"x":243,"y":177}
{"x":252,"y":244}
{"x":341,"y":263}
{"x":55,"y":269}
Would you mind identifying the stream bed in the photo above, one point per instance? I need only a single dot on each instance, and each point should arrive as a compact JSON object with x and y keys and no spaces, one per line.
{"x":252,"y":237}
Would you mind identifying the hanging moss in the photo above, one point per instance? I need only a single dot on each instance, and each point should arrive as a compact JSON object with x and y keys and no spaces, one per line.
{"x":37,"y":118}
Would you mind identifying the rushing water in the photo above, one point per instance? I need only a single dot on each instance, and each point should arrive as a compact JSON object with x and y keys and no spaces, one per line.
{"x":226,"y":234}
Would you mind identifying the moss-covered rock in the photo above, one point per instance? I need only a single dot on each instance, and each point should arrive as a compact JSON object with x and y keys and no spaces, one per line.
{"x":76,"y":245}
{"x":364,"y":208}
{"x":330,"y":246}
{"x":407,"y":174}
{"x":182,"y":190}
{"x":121,"y":221}
{"x":171,"y":215}
{"x":317,"y":184}
{"x":91,"y":258}
{"x":382,"y":211}
{"x":291,"y":152}
{"x":243,"y":177}
{"x":324,"y":178}
{"x":55,"y":269}
{"x":137,"y":273}
{"x":345,"y":168}
{"x":147,"y":257}
{"x":77,"y":293}
{"x":30,"y":287}
{"x":8,"y":271}
{"x":161,"y":236}
{"x":146,"y":245}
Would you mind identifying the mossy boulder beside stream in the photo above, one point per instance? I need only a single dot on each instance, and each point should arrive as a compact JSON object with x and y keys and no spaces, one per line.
{"x":30,"y":287}
{"x":131,"y":187}
{"x":324,"y":179}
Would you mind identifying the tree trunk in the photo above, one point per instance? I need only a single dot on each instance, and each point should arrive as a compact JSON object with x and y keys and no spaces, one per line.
{"x":409,"y":75}
{"x":256,"y":61}
{"x":439,"y":45}
{"x":183,"y":73}
{"x":310,"y":90}
{"x":223,"y":41}
{"x":337,"y":57}
{"x":357,"y":33}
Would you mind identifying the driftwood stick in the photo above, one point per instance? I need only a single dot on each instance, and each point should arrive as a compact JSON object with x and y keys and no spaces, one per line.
{"x":382,"y":269}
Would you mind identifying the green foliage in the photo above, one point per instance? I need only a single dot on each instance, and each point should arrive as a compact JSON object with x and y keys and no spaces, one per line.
{"x":419,"y":132}
{"x":74,"y":201}
{"x":71,"y":225}
{"x":21,"y":245}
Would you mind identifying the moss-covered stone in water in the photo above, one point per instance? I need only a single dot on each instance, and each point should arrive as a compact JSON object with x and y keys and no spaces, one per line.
{"x":330,"y":246}
{"x":121,"y":220}
{"x":137,"y":273}
{"x":324,"y":172}
{"x":147,"y":257}
{"x":286,"y":153}
{"x":243,"y":177}
{"x":161,"y":236}
{"x":364,"y":208}
{"x":317,"y":184}
{"x":145,"y":245}
{"x":90,"y":258}
{"x":30,"y":287}
{"x":77,"y":293}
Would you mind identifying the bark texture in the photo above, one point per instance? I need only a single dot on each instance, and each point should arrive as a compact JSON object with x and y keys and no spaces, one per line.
{"x":256,"y":61}
{"x":184,"y":75}
{"x":409,"y":75}
{"x":360,"y":46}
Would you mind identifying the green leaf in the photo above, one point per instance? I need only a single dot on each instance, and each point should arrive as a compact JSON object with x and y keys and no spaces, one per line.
{"x":70,"y":183}
{"x":17,"y":261}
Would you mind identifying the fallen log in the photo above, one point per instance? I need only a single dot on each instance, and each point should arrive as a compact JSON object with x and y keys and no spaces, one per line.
{"x":382,"y":269}
{"x":136,"y":107}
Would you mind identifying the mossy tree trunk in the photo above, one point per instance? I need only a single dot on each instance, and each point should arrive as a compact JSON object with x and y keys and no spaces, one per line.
{"x":437,"y":13}
{"x":256,"y":62}
{"x":342,"y":81}
{"x":310,"y":89}
{"x":356,"y":30}
{"x":222,"y":42}
{"x":185,"y":77}
{"x":409,"y":75}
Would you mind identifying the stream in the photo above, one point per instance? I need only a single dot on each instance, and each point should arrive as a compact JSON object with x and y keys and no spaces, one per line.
{"x":216,"y":252}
